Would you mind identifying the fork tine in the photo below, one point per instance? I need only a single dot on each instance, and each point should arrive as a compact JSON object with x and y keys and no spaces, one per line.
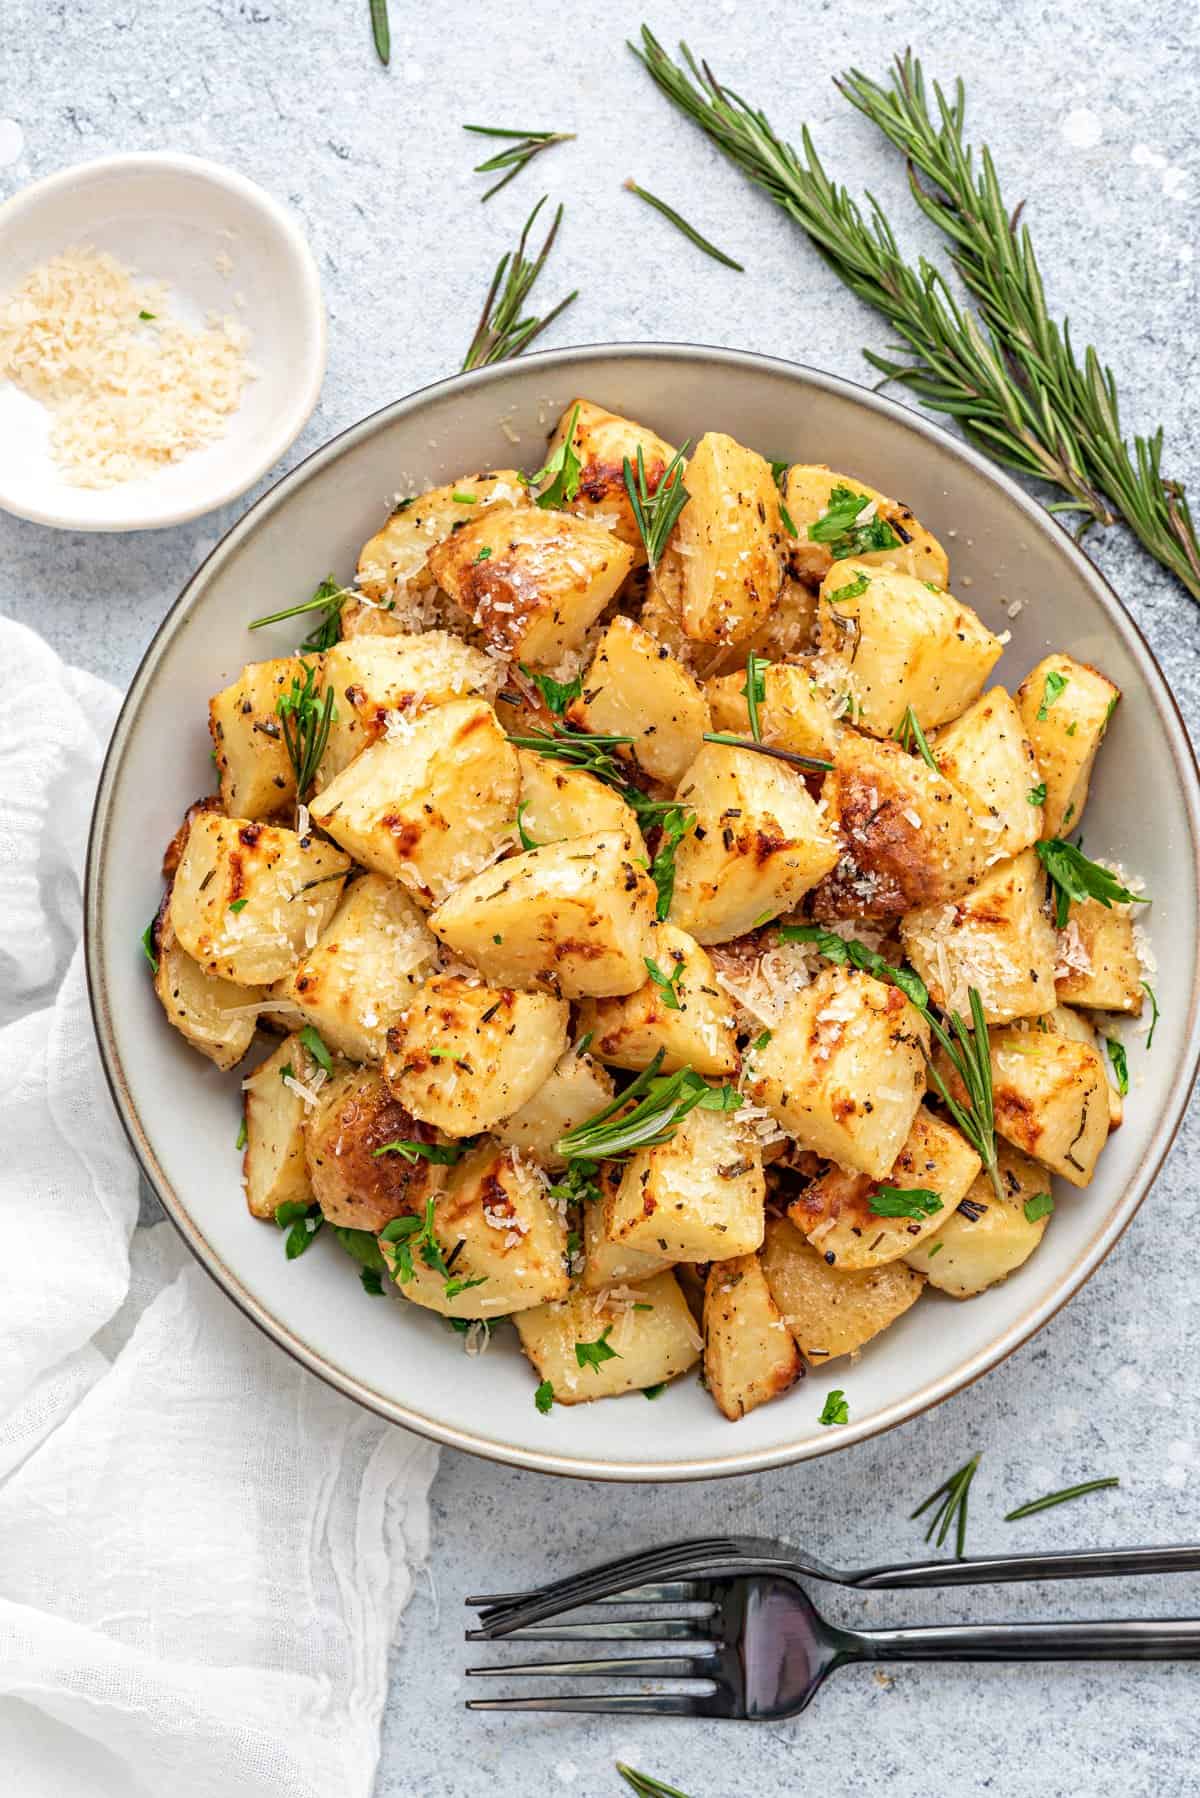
{"x":586,"y":1589}
{"x":624,"y":1571}
{"x":644,"y":1704}
{"x":621,"y":1629}
{"x":678,"y":1591}
{"x":636,"y":1666}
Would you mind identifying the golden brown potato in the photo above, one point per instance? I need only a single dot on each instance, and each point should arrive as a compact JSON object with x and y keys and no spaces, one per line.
{"x":905,"y":544}
{"x":212,"y":1014}
{"x":1050,"y":1096}
{"x":378,"y":679}
{"x":463,"y":1055}
{"x":634,"y":687}
{"x":532,"y":581}
{"x":576,"y":1089}
{"x":274,"y":1168}
{"x":575,"y":915}
{"x":988,"y":757}
{"x":759,"y":845}
{"x":602,"y":441}
{"x":831,"y":1313}
{"x":680,"y":1009}
{"x":749,"y":1354}
{"x":790,"y":628}
{"x":722,"y":569}
{"x":559,"y":802}
{"x":396,"y":557}
{"x":982,"y":1241}
{"x":844,"y":1071}
{"x":838,"y":1212}
{"x":355,"y":1184}
{"x":698,"y":1197}
{"x":1073,"y":1024}
{"x":650,"y":1336}
{"x":996,"y":938}
{"x":500,"y":1236}
{"x":792,"y":714}
{"x":256,"y":774}
{"x":362,"y":972}
{"x":431,"y":805}
{"x":607,"y":1263}
{"x":898,"y":643}
{"x":249,"y":898}
{"x":1099,"y":965}
{"x":909,"y":838}
{"x":1065,"y":706}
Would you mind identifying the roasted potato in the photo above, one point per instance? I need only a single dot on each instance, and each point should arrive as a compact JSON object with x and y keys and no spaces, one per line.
{"x":576,"y":1089}
{"x":1050,"y":1096}
{"x":759,"y":844}
{"x":650,"y":1337}
{"x":1073,"y":1024}
{"x":830,"y":1312}
{"x":274,"y":1167}
{"x":844,"y":1071}
{"x":357,"y":1184}
{"x":996,"y":938}
{"x":607,"y":1263}
{"x":255,"y":771}
{"x":722,"y":569}
{"x":249,"y":899}
{"x":558,"y":801}
{"x":697,"y":1197}
{"x":986,"y":754}
{"x":212,"y":1014}
{"x":680,"y":1009}
{"x":603,"y":441}
{"x":396,"y":557}
{"x":1065,"y":706}
{"x":882,"y":532}
{"x":430,"y":806}
{"x":634,"y":687}
{"x":381,"y":683}
{"x":574,"y":915}
{"x":749,"y":1354}
{"x":463,"y":1055}
{"x":985,"y":1238}
{"x":793,"y":712}
{"x":1098,"y":959}
{"x":532,"y":581}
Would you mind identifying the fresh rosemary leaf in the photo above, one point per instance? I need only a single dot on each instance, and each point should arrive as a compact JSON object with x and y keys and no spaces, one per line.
{"x":1120,"y":1063}
{"x":527,"y":842}
{"x":305,"y":722}
{"x":755,"y":691}
{"x":1074,"y":877}
{"x":666,"y":982}
{"x":905,"y":1201}
{"x":445,"y":1154}
{"x":655,"y":514}
{"x":952,"y":1509}
{"x":147,"y":941}
{"x":595,"y":1354}
{"x":674,"y":826}
{"x":648,"y":1112}
{"x":381,"y":31}
{"x":560,"y":472}
{"x":835,"y":1408}
{"x":543,"y":1398}
{"x":1060,"y":1498}
{"x":1149,"y":992}
{"x":525,"y":145}
{"x":1052,"y":690}
{"x":681,"y":224}
{"x":909,"y":735}
{"x":1038,"y":1206}
{"x":455,"y":1286}
{"x":809,"y":763}
{"x":503,"y":330}
{"x":968,"y":1050}
{"x":241,"y":1135}
{"x":329,"y":598}
{"x":642,"y":1783}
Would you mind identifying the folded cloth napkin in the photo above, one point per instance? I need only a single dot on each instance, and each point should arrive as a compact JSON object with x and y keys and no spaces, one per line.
{"x":204,"y":1552}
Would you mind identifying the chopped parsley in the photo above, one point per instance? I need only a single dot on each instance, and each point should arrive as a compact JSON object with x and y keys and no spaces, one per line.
{"x":760,"y":1042}
{"x":666,"y":982}
{"x":241,"y":1135}
{"x":1037,"y":795}
{"x":654,"y":1391}
{"x":561,"y":470}
{"x":852,"y":590}
{"x":464,"y":499}
{"x":148,"y":946}
{"x":905,"y":1201}
{"x":408,"y":1233}
{"x":755,"y":691}
{"x":1074,"y":877}
{"x":594,"y":1354}
{"x":238,"y":904}
{"x":311,"y":1038}
{"x":484,"y":553}
{"x":557,"y":694}
{"x":1052,"y":691}
{"x":676,"y":823}
{"x":527,"y":842}
{"x":839,"y":529}
{"x":543,"y":1398}
{"x":1120,"y":1063}
{"x":444,"y":1153}
{"x":835,"y":1408}
{"x":302,"y":1220}
{"x":1039,"y":1206}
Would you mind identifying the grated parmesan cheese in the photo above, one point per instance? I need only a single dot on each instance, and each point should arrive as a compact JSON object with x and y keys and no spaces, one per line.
{"x":131,"y":390}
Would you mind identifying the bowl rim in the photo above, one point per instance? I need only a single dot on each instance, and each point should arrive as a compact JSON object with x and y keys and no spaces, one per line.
{"x":569,"y":360}
{"x":306,"y":296}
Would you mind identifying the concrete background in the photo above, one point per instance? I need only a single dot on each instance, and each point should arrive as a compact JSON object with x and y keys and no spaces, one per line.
{"x":1093,"y":121}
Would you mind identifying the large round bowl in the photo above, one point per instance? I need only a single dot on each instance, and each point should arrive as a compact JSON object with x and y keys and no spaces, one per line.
{"x":1016,"y":567}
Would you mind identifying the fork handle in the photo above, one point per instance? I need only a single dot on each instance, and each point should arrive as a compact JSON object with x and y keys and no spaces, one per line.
{"x":1133,"y":1639}
{"x":1096,"y":1563}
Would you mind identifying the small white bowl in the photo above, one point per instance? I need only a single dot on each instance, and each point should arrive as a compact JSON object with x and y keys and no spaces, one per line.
{"x":222,"y":245}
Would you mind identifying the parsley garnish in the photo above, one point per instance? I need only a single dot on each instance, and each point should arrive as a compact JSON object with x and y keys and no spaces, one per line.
{"x":302,"y":1220}
{"x":835,"y":1408}
{"x":455,"y":1286}
{"x":1120,"y":1064}
{"x":543,"y":1398}
{"x":676,"y":823}
{"x":362,"y":1247}
{"x":1037,"y":795}
{"x":667,"y":982}
{"x":905,"y":1201}
{"x":838,"y":527}
{"x":755,"y":691}
{"x":594,"y":1354}
{"x":1075,"y":877}
{"x":1052,"y":691}
{"x":852,"y":590}
{"x":654,"y":1391}
{"x":238,"y":904}
{"x":655,"y":514}
{"x":561,"y":470}
{"x":148,"y":946}
{"x":843,"y":950}
{"x":287,"y":1071}
{"x":241,"y":1135}
{"x":760,"y":1042}
{"x":527,"y":842}
{"x":953,"y":1508}
{"x":464,"y":499}
{"x":409,"y":1233}
{"x":1039,"y":1206}
{"x":310,"y":1037}
{"x":145,"y":314}
{"x":445,"y":1154}
{"x":557,"y":694}
{"x":484,"y":553}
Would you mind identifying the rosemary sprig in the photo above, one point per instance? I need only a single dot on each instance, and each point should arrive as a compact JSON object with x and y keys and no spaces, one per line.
{"x":1059,"y":1498}
{"x":642,"y":1783}
{"x":969,"y":1052}
{"x":305,"y":720}
{"x":525,"y":145}
{"x":502,"y":331}
{"x":592,"y":751}
{"x":810,"y":763}
{"x":841,"y":949}
{"x":445,"y":1154}
{"x":655,"y":514}
{"x":701,"y":242}
{"x":381,"y":31}
{"x":909,"y":734}
{"x":329,"y":598}
{"x":1013,"y":380}
{"x":647,"y":1113}
{"x":953,"y":1508}
{"x":1074,"y":876}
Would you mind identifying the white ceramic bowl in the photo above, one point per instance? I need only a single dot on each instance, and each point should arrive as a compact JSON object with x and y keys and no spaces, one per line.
{"x":181,"y":220}
{"x":182,"y":1116}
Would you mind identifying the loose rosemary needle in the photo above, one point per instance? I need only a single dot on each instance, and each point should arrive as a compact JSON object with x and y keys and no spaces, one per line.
{"x":952,"y":1509}
{"x":502,"y":331}
{"x":701,"y":242}
{"x":381,"y":30}
{"x":1060,"y":1498}
{"x":521,"y":151}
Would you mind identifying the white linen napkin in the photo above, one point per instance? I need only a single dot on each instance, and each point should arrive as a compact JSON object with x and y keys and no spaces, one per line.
{"x":204,"y":1551}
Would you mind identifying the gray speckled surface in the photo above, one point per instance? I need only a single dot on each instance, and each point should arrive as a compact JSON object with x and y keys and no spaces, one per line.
{"x":1097,"y":130}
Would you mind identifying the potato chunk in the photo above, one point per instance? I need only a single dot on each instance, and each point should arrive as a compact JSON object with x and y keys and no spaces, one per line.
{"x":464,"y":1055}
{"x":648,"y":1345}
{"x":635,"y":687}
{"x":680,"y":1010}
{"x":793,"y":712}
{"x":396,"y":557}
{"x":988,"y":757}
{"x":1073,"y":1024}
{"x":608,"y":1263}
{"x":844,"y":1071}
{"x":559,"y":802}
{"x":256,"y":774}
{"x":759,"y":844}
{"x":831,"y":1313}
{"x":996,"y":938}
{"x":837,"y":1212}
{"x":354,"y":1118}
{"x":912,"y":549}
{"x":532,"y":581}
{"x":1050,"y":1096}
{"x":1100,"y":957}
{"x":495,"y":1226}
{"x":576,"y":1089}
{"x":749,"y":1354}
{"x":574,"y":914}
{"x":902,"y":644}
{"x":698,"y":1197}
{"x":212,"y":1014}
{"x":1065,"y":706}
{"x":602,"y":441}
{"x":982,"y":1241}
{"x":385,"y":681}
{"x":431,"y":807}
{"x":274,"y":1168}
{"x":909,"y":838}
{"x":362,"y":972}
{"x":722,"y":569}
{"x":249,"y":898}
